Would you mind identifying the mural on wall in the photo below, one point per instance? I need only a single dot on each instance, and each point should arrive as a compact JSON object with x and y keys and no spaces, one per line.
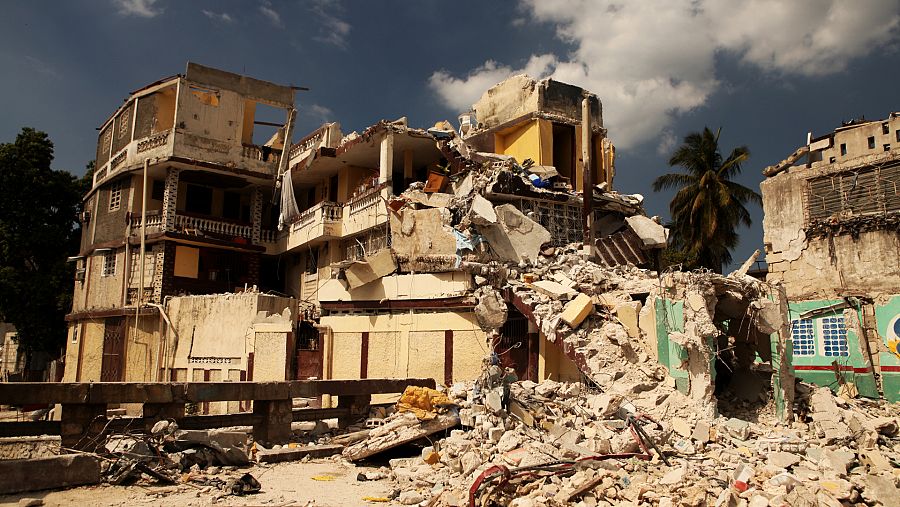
{"x":893,"y":334}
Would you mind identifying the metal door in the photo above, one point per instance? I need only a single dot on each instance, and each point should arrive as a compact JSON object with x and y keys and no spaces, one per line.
{"x":113,"y":366}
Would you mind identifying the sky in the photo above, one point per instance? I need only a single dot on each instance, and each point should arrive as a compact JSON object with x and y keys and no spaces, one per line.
{"x":767,"y":72}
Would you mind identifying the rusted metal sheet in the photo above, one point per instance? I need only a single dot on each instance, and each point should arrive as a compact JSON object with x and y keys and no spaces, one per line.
{"x":621,"y":248}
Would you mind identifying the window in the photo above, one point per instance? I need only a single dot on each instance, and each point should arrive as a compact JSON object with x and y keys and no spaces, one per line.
{"x":885,"y":129}
{"x":109,"y":263}
{"x":832,"y":160}
{"x":886,"y":147}
{"x":115,"y":196}
{"x":834,"y":337}
{"x":843,"y":149}
{"x":863,"y":191}
{"x":871,"y":142}
{"x":897,"y":133}
{"x":803,"y":337}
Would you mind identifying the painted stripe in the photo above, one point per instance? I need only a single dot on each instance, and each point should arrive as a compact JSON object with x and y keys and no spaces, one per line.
{"x":448,"y":357}
{"x":364,"y":355}
{"x":817,"y":367}
{"x":890,"y":369}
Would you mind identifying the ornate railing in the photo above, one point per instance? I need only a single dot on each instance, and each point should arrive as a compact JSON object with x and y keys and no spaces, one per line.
{"x":153,"y":141}
{"x":307,"y":142}
{"x":366,"y":200}
{"x":154,"y":220}
{"x":118,"y":159}
{"x":188,"y":224}
{"x":268,"y":236}
{"x":254,"y":152}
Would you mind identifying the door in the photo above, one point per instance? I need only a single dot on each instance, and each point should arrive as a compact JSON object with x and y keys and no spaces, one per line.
{"x":517,"y":347}
{"x":112,"y":369}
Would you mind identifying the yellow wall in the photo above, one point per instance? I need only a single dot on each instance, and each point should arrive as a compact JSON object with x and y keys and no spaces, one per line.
{"x":554,"y":365}
{"x":141,"y":349}
{"x":533,"y":139}
{"x":92,"y":351}
{"x":404,"y":345}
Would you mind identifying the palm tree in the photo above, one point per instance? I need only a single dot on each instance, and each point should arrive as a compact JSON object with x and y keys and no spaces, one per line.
{"x":709,"y":206}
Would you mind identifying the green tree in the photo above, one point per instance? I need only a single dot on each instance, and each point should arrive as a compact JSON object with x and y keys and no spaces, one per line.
{"x":38,"y":228}
{"x":709,"y":205}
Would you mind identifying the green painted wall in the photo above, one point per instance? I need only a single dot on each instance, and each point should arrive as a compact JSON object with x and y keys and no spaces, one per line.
{"x":865,"y":382}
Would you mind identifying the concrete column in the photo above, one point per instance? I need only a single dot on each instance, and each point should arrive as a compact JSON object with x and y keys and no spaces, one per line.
{"x":587,"y":190}
{"x":386,"y":161}
{"x":782,"y":360}
{"x":256,"y":202}
{"x":275,"y":424}
{"x":80,"y":426}
{"x":170,"y":198}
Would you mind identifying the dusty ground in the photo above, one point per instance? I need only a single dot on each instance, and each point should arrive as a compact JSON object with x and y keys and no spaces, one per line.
{"x":282,"y":484}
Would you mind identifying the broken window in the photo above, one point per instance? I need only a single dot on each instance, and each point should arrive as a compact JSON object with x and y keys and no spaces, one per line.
{"x":885,"y":129}
{"x":834,"y":337}
{"x":886,"y":147}
{"x":871,"y":142}
{"x":803,"y":337}
{"x":115,"y":196}
{"x":865,"y":191}
{"x":109,"y":263}
{"x":843,"y":149}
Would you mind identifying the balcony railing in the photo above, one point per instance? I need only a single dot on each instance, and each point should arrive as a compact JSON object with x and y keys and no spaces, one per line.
{"x":323,"y":219}
{"x":268,"y":236}
{"x":154,"y":221}
{"x":153,"y":141}
{"x":187,"y":224}
{"x":261,"y":153}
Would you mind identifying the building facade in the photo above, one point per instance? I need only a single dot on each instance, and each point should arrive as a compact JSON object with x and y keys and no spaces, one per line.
{"x":832,"y":211}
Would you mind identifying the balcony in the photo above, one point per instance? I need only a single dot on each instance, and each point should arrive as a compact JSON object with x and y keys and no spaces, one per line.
{"x":199,"y":226}
{"x":366,"y":210}
{"x":321,"y":222}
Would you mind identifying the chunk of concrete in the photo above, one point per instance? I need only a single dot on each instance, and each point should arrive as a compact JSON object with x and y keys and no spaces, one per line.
{"x":297,"y":453}
{"x":577,"y":310}
{"x":628,"y":314}
{"x":373,"y":267}
{"x":553,"y":289}
{"x":19,"y":475}
{"x":652,"y":234}
{"x":515,"y":237}
{"x":482,"y":211}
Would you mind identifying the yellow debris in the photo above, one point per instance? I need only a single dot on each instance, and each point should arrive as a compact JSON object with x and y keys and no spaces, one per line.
{"x":376,"y":499}
{"x":323,"y":478}
{"x":425,"y":403}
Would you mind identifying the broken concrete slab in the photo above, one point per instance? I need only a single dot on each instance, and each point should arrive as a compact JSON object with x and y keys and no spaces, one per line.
{"x":403,"y":429}
{"x":553,"y":289}
{"x":482,"y":211}
{"x":67,"y":470}
{"x":652,"y":234}
{"x":373,"y":267}
{"x":515,"y":237}
{"x":297,"y":453}
{"x":419,"y":235}
{"x":432,"y":200}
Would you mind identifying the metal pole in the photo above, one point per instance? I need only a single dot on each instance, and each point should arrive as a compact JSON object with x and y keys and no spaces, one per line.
{"x":587,"y":181}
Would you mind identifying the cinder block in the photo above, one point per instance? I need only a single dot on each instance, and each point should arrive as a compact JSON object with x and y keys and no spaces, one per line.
{"x":19,"y":475}
{"x":577,"y":310}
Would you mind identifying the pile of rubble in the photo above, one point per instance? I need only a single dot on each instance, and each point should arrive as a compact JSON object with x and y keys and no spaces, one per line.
{"x":569,"y":444}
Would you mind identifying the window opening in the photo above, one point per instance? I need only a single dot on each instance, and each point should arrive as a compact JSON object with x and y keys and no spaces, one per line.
{"x":115,"y":196}
{"x":834,"y":337}
{"x":109,"y":263}
{"x":803,"y":337}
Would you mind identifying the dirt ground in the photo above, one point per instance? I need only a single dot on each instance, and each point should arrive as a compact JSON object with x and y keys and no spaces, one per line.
{"x":283,"y":484}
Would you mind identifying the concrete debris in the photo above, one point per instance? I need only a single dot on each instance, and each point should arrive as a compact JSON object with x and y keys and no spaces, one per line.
{"x":515,"y":237}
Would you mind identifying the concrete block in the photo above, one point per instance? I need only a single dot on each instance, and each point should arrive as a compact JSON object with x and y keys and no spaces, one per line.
{"x":652,"y":234}
{"x":68,"y":470}
{"x":482,"y":211}
{"x":577,"y":310}
{"x":515,"y":237}
{"x":628,"y":314}
{"x":553,"y":289}
{"x":375,"y":266}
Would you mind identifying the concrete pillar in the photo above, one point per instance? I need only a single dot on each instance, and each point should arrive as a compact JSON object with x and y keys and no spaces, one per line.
{"x":587,"y":190}
{"x":256,"y":202}
{"x":358,"y":407}
{"x":275,"y":424}
{"x":81,"y":425}
{"x":170,"y":198}
{"x":386,"y":161}
{"x":782,"y":360}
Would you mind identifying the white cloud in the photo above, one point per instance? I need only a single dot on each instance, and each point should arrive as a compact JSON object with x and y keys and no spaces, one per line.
{"x":139,"y":8}
{"x":271,"y":14}
{"x":333,"y":30}
{"x":652,"y":60}
{"x":461,"y":93}
{"x":320,"y":113}
{"x":667,"y":142}
{"x":223,"y":17}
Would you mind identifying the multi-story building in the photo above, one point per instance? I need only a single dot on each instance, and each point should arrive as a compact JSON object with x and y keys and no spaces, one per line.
{"x":832,"y":211}
{"x":372,"y":252}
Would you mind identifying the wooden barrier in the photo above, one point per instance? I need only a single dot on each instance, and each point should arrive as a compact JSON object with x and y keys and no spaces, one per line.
{"x":83,"y":417}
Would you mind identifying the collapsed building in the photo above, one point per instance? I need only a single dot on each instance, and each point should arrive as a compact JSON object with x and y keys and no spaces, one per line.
{"x":830,"y":231}
{"x":214,"y":250}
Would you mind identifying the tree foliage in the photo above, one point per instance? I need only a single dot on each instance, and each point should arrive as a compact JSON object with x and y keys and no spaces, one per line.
{"x":708,"y":206}
{"x":38,"y":228}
